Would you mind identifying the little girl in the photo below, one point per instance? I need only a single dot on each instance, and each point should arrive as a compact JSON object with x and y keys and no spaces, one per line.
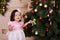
{"x":15,"y":26}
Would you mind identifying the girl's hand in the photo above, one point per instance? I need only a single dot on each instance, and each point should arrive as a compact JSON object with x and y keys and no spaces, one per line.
{"x":10,"y":28}
{"x":27,"y":23}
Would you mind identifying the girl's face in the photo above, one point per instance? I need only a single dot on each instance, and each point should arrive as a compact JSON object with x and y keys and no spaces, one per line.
{"x":17,"y":16}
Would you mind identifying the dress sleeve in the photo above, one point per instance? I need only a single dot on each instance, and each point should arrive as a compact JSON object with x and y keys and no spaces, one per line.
{"x":10,"y":23}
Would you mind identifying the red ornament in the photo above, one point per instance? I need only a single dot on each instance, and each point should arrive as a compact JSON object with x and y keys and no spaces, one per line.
{"x":47,"y":29}
{"x":50,"y":23}
{"x":23,"y":15}
{"x":50,"y":12}
{"x":56,"y":6}
{"x":30,"y":6}
{"x":32,"y":11}
{"x":31,"y":0}
{"x":40,"y":18}
{"x":37,"y":2}
{"x":44,"y":0}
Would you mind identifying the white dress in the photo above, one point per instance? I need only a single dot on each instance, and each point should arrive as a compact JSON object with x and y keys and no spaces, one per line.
{"x":17,"y":33}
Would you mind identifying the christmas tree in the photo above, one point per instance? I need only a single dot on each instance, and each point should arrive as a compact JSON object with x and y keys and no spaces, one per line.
{"x":3,"y":8}
{"x":45,"y":15}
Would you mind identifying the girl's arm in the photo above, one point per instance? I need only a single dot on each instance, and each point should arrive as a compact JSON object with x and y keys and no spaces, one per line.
{"x":27,"y":23}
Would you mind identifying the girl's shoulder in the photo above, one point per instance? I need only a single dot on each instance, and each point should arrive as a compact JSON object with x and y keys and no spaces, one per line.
{"x":10,"y":22}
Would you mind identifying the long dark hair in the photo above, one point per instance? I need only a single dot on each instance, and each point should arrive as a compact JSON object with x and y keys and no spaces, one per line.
{"x":12,"y":15}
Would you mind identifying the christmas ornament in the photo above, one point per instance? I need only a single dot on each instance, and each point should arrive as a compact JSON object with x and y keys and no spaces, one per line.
{"x":24,"y":16}
{"x":56,"y":6}
{"x":58,"y":11}
{"x":45,"y":6}
{"x":50,"y":23}
{"x":36,"y":33}
{"x":47,"y":29}
{"x":49,"y":19}
{"x":37,"y":2}
{"x":32,"y":31}
{"x":52,"y":1}
{"x":31,"y":0}
{"x":40,"y":4}
{"x":40,"y":18}
{"x":50,"y":12}
{"x":35,"y":10}
{"x":44,"y":0}
{"x":30,"y":6}
{"x":33,"y":22}
{"x":32,"y":11}
{"x":48,"y":15}
{"x":3,"y":9}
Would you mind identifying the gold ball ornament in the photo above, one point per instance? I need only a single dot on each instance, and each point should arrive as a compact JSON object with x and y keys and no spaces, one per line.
{"x":49,"y":19}
{"x":48,"y":15}
{"x":3,"y":10}
{"x":35,"y":10}
{"x":3,"y":7}
{"x":36,"y":33}
{"x":40,"y":4}
{"x":26,"y":16}
{"x":45,"y":6}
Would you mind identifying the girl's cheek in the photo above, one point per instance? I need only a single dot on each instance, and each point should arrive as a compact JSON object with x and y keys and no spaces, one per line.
{"x":15,"y":18}
{"x":20,"y":18}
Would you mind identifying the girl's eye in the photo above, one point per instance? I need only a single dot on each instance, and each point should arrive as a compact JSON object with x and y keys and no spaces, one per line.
{"x":15,"y":15}
{"x":19,"y":14}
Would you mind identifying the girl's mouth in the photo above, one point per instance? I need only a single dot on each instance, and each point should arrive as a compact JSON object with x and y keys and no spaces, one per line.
{"x":17,"y":18}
